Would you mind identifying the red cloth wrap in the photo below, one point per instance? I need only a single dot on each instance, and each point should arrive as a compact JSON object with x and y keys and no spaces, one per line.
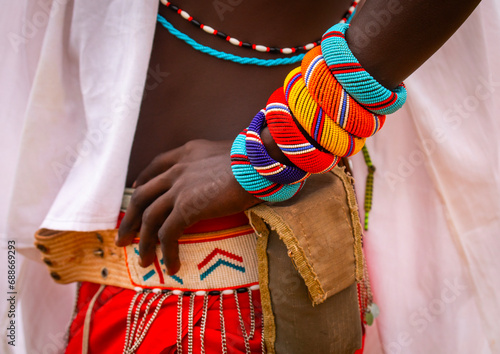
{"x":109,"y":316}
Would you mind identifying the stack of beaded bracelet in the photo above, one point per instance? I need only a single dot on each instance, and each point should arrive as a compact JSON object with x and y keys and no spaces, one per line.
{"x":266,"y":166}
{"x":292,"y":141}
{"x":326,"y":109}
{"x":337,"y":103}
{"x":315,"y":122}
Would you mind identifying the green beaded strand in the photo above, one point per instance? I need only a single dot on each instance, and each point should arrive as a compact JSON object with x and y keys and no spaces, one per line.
{"x":369,"y":185}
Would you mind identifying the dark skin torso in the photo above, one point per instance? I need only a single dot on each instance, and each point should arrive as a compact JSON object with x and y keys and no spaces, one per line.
{"x":208,"y":98}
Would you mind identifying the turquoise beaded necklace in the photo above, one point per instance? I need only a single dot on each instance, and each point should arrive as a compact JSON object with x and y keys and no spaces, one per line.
{"x":239,"y":59}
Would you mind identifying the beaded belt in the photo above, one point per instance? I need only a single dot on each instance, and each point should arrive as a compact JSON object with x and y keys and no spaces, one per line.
{"x":217,"y":260}
{"x":212,"y":261}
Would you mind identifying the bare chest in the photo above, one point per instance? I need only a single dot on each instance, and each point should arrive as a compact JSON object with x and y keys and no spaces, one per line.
{"x":191,"y":95}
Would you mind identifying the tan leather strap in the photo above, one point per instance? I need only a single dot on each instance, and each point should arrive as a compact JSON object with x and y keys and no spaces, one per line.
{"x":83,"y":256}
{"x":88,"y":319}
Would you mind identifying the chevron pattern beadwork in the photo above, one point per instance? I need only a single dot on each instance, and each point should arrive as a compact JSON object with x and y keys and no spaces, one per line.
{"x":219,"y":258}
{"x":210,"y":261}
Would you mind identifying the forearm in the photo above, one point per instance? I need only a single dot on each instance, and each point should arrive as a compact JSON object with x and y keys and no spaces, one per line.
{"x":391,"y":39}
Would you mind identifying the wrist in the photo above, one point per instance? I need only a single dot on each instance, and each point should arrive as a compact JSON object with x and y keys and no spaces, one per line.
{"x":273,"y":149}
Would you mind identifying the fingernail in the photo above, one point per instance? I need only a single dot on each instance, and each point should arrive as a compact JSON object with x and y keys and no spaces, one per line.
{"x":134,"y":184}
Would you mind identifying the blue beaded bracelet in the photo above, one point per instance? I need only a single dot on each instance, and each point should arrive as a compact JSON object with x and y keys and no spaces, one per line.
{"x":264,"y":164}
{"x":254,"y":183}
{"x":354,"y":79}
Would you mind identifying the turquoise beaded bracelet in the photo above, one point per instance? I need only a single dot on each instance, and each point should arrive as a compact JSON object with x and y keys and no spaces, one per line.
{"x":252,"y":181}
{"x":354,"y":79}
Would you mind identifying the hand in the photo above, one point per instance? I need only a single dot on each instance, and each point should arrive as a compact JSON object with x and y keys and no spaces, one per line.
{"x":176,"y":190}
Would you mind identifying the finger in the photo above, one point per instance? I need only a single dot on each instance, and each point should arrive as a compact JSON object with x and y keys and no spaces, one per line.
{"x":169,"y":234}
{"x":160,"y":164}
{"x":153,"y":218}
{"x":142,"y":198}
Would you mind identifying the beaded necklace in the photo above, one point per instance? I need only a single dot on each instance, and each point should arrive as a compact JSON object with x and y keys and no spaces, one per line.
{"x":227,"y":56}
{"x":231,"y":57}
{"x":257,"y":47}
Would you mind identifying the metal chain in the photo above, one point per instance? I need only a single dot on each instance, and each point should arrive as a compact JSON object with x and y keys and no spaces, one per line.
{"x":242,"y":324}
{"x":222,"y":325}
{"x":203,"y":323}
{"x":190,"y":323}
{"x":143,"y":320}
{"x":129,"y":319}
{"x":366,"y":282}
{"x":136,"y":332}
{"x":365,"y":293}
{"x":136,"y":316}
{"x":252,"y":314}
{"x":146,"y":329}
{"x":144,"y":296}
{"x":179,"y":324}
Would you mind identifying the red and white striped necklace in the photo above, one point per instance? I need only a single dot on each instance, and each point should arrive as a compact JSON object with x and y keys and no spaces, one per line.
{"x":249,"y":45}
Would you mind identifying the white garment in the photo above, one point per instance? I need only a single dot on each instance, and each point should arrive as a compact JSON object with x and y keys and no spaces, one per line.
{"x":81,"y":115}
{"x":70,"y":105}
{"x":433,"y":246}
{"x":72,"y":75}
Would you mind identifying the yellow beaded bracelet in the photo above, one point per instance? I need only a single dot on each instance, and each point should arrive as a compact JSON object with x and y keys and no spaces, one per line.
{"x":315,"y":121}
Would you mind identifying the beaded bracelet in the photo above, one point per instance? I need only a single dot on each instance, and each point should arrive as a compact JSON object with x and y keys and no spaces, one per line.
{"x":290,"y":139}
{"x":314,"y":120}
{"x":264,"y":164}
{"x":334,"y":100}
{"x":254,"y":183}
{"x":354,"y":79}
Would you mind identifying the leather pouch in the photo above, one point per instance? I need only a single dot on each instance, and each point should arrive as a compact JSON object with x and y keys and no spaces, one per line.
{"x":310,"y":259}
